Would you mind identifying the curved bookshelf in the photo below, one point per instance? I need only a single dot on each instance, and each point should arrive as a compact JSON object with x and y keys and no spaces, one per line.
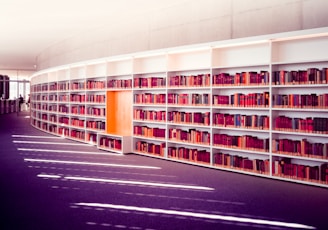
{"x":258,"y":108}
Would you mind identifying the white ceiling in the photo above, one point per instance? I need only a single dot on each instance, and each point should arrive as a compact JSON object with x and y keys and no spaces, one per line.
{"x":28,"y":27}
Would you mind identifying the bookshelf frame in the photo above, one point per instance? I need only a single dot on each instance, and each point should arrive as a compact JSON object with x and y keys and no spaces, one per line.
{"x":175,"y":114}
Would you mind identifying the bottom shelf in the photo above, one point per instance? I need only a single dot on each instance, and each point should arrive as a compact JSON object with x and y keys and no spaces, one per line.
{"x":298,"y":170}
{"x":292,"y":170}
{"x":114,"y":143}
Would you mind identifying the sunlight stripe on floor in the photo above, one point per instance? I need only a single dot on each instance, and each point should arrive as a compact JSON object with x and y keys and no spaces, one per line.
{"x":29,"y":136}
{"x":180,"y":186}
{"x":89,"y":163}
{"x":51,"y":143}
{"x":69,"y":151}
{"x":48,"y":176}
{"x":198,"y":215}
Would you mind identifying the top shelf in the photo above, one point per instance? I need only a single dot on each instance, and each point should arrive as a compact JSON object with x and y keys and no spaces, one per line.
{"x":278,"y":52}
{"x":245,"y":55}
{"x":300,"y":50}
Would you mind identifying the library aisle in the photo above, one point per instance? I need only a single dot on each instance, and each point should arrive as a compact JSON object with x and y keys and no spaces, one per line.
{"x":48,"y":182}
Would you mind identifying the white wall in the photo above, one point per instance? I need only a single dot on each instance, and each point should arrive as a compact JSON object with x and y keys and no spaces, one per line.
{"x":189,"y":22}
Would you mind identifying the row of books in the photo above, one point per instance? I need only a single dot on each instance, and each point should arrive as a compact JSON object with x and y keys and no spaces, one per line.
{"x":44,"y":126}
{"x":99,"y":125}
{"x":63,"y":109}
{"x":119,"y":83}
{"x":44,"y":87}
{"x":63,"y":86}
{"x":300,"y":100}
{"x":77,"y":122}
{"x":280,"y":77}
{"x":94,"y":84}
{"x":89,"y":84}
{"x":286,"y":168}
{"x":81,"y":85}
{"x":53,"y":118}
{"x":36,"y":97}
{"x":300,"y":148}
{"x":63,"y":98}
{"x":78,"y":134}
{"x":80,"y":110}
{"x":96,"y":98}
{"x":308,"y":125}
{"x":241,"y":163}
{"x":243,"y":100}
{"x":241,"y":121}
{"x":200,"y":118}
{"x":91,"y":137}
{"x":63,"y":131}
{"x":53,"y":129}
{"x":149,"y":98}
{"x":241,"y":142}
{"x":63,"y":120}
{"x":149,"y":82}
{"x":77,"y":98}
{"x":309,"y":76}
{"x":237,"y":99}
{"x":150,"y":148}
{"x":53,"y":87}
{"x":150,"y":115}
{"x":110,"y":143}
{"x":191,"y":136}
{"x":188,"y":99}
{"x":44,"y":117}
{"x":189,"y":154}
{"x":200,"y":80}
{"x":91,"y":111}
{"x":52,"y":97}
{"x":146,"y":131}
{"x":243,"y":78}
{"x":78,"y":85}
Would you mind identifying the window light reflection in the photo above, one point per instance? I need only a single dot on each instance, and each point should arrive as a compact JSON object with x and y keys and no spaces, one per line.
{"x":89,"y":163}
{"x":179,"y":186}
{"x":199,"y":215}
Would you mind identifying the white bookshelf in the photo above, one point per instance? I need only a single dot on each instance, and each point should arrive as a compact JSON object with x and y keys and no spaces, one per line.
{"x":234,"y":135}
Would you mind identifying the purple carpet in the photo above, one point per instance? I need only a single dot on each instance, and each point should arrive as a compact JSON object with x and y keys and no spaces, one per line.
{"x":48,"y":183}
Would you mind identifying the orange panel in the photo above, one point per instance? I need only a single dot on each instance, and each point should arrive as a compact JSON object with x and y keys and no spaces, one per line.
{"x":119,"y":112}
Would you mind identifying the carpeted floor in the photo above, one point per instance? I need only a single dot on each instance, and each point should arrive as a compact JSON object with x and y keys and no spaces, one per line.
{"x":49,"y":183}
